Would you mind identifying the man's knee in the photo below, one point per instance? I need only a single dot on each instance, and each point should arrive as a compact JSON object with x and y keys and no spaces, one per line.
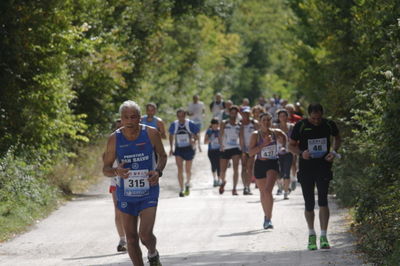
{"x":132,"y":238}
{"x":146,"y":237}
{"x":323,"y":202}
{"x":310,"y":205}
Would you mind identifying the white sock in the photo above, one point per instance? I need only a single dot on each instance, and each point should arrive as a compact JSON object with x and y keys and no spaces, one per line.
{"x":152,"y":255}
{"x":122,"y":238}
{"x":323,"y":232}
{"x":311,"y":232}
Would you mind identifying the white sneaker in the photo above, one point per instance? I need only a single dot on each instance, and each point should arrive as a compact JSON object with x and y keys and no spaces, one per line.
{"x":286,"y":195}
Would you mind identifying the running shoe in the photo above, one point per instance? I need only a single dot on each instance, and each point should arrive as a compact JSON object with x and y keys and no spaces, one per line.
{"x":181,"y":194}
{"x":323,"y":243}
{"x":155,"y":261}
{"x":312,"y":242}
{"x":268,"y":224}
{"x":187,"y":190}
{"x":246,"y":191}
{"x":222,"y":187}
{"x":234,"y":192}
{"x":279,"y":192}
{"x":121,"y":246}
{"x":216,"y":183}
{"x":293,"y":185}
{"x":286,"y":195}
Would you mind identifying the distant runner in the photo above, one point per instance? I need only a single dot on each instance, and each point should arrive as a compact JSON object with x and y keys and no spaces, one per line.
{"x":311,"y":140}
{"x":152,"y":120}
{"x":264,"y":144}
{"x":196,"y":112}
{"x":247,"y":127}
{"x":217,"y":105}
{"x":230,"y":148}
{"x":211,"y":138}
{"x":285,"y":157}
{"x":121,"y":247}
{"x":293,"y":118}
{"x":134,"y":145}
{"x":182,"y":138}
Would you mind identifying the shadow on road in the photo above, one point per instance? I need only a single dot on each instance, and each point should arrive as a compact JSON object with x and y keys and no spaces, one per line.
{"x":335,"y":256}
{"x":97,"y":256}
{"x":247,"y":233}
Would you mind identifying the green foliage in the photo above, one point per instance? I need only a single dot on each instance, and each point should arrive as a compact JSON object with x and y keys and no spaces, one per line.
{"x":36,"y":87}
{"x":25,"y":194}
{"x":266,"y":64}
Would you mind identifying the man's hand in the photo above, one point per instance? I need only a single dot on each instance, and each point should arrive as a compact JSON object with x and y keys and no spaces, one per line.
{"x":121,"y":171}
{"x":305,"y":155}
{"x":330,"y":157}
{"x":153,"y":178}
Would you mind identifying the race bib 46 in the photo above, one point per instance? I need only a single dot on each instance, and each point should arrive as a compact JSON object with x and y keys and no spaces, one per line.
{"x":317,"y":147}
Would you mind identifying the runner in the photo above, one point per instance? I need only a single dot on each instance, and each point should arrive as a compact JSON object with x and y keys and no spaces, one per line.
{"x":217,"y":105}
{"x":134,"y":145}
{"x":264,"y":144}
{"x":273,"y":107}
{"x":311,"y":140}
{"x":298,"y":110}
{"x":152,"y":120}
{"x":293,"y":118}
{"x":184,"y":133}
{"x":248,"y":126}
{"x":285,"y":157}
{"x":224,"y":114}
{"x":245,"y":104}
{"x":261,"y":101}
{"x":196,"y":113}
{"x":121,"y":247}
{"x":211,"y":138}
{"x":230,"y":148}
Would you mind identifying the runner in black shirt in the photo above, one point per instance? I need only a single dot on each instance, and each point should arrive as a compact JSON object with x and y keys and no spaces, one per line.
{"x":311,"y":140}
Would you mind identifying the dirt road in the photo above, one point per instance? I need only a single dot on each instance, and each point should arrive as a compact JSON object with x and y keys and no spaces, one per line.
{"x":204,"y":228}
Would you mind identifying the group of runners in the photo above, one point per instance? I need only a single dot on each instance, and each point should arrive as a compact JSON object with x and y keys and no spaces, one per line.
{"x":267,"y":138}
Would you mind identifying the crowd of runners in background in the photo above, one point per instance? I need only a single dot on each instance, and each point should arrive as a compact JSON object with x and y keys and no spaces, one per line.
{"x":228,"y":137}
{"x":271,"y":140}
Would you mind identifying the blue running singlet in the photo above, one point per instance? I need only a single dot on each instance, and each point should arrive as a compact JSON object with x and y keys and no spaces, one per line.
{"x":138,"y":156}
{"x":152,"y":123}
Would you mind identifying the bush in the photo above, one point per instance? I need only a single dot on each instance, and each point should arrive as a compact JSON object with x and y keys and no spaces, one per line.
{"x":24,"y":193}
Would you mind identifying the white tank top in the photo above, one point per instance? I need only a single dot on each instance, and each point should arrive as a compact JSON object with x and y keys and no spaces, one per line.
{"x":231,"y":136}
{"x":247,"y":131}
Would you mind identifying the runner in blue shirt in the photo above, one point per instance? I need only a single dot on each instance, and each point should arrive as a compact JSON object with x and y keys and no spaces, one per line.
{"x":134,"y":146}
{"x":183,"y":134}
{"x":152,"y":120}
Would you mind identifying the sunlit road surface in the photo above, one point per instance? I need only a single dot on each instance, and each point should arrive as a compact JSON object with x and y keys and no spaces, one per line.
{"x":204,"y":229}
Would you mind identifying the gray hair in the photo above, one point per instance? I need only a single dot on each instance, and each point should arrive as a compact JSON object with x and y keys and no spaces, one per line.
{"x":129,"y":104}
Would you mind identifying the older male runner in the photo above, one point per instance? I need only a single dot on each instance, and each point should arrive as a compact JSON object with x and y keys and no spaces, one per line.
{"x":134,"y":145}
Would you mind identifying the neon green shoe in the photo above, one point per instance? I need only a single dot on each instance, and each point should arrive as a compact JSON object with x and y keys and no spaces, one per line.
{"x":323,"y":243}
{"x":312,"y":242}
{"x":155,"y":261}
{"x":187,"y":190}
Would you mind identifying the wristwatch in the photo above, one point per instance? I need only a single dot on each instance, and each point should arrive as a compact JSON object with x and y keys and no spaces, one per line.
{"x":159,"y":172}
